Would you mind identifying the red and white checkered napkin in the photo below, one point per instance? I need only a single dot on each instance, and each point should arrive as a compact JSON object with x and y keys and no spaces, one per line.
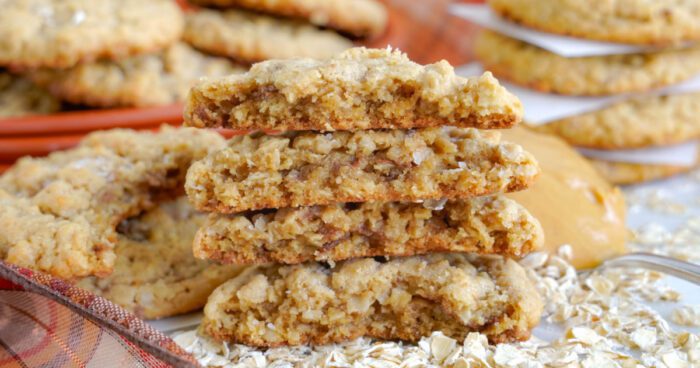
{"x":48,"y":322}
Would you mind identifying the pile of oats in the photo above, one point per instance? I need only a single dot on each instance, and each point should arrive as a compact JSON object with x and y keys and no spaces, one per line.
{"x":592,"y":319}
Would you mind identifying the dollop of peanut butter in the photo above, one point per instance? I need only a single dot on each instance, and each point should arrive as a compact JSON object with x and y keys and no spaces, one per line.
{"x":574,"y":204}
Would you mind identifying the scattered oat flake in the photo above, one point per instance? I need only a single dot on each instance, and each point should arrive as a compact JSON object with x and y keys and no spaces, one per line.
{"x":687,"y":315}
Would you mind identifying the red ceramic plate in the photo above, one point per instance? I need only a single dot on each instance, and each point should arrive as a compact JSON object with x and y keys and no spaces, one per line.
{"x":89,"y":120}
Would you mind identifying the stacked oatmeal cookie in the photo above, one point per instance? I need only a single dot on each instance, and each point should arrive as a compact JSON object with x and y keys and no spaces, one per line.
{"x":379,"y":212}
{"x":641,"y":120}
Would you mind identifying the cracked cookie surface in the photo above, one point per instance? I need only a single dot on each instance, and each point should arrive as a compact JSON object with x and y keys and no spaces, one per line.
{"x":358,"y":89}
{"x":311,"y":168}
{"x":400,"y":299}
{"x":59,"y":213}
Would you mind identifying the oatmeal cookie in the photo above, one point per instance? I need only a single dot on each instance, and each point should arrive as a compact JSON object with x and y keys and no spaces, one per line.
{"x":362,"y":18}
{"x":144,"y":80}
{"x":635,"y":123}
{"x":19,"y":96}
{"x":484,"y":225}
{"x":59,"y":213}
{"x":250,"y":37}
{"x":400,"y":299}
{"x":358,"y":89}
{"x":311,"y":168}
{"x":625,"y":21}
{"x":532,"y":67}
{"x":60,"y":34}
{"x":155,"y":274}
{"x":624,"y":173}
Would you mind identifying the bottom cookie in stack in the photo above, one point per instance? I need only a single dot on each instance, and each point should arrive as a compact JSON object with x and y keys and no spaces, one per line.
{"x":618,"y":138}
{"x":155,"y":274}
{"x":402,"y":298}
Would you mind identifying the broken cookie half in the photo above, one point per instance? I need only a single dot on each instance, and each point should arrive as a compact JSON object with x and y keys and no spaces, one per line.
{"x":399,"y":299}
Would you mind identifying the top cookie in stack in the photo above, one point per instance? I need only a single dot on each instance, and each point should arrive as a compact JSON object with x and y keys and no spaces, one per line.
{"x":388,"y":164}
{"x":626,"y":140}
{"x":358,"y":89}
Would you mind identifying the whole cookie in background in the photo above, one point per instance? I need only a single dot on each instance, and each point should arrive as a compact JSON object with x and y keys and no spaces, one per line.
{"x":144,"y":80}
{"x":155,"y":274}
{"x":572,"y":201}
{"x":532,"y":67}
{"x":251,"y":37}
{"x":635,"y":123}
{"x":60,"y":34}
{"x":623,"y":173}
{"x":19,"y":97}
{"x":626,"y":21}
{"x":361,"y":18}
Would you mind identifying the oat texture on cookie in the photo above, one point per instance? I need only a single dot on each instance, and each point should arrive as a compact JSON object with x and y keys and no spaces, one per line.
{"x":378,"y":213}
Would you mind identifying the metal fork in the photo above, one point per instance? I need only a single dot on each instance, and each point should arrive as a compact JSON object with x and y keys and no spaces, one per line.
{"x":671,"y":266}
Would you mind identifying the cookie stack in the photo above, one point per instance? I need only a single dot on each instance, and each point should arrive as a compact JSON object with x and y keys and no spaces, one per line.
{"x":105,"y":53}
{"x":255,"y":30}
{"x":628,"y":139}
{"x":378,"y":212}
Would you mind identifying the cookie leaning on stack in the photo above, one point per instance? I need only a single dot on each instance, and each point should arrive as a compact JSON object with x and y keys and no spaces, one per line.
{"x":375,"y":173}
{"x":102,"y":214}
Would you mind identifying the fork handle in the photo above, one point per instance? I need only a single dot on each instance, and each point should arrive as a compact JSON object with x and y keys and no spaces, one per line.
{"x":681,"y":269}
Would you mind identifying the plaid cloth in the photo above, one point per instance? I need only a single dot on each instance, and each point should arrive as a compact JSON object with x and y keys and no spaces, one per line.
{"x":49,"y":322}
